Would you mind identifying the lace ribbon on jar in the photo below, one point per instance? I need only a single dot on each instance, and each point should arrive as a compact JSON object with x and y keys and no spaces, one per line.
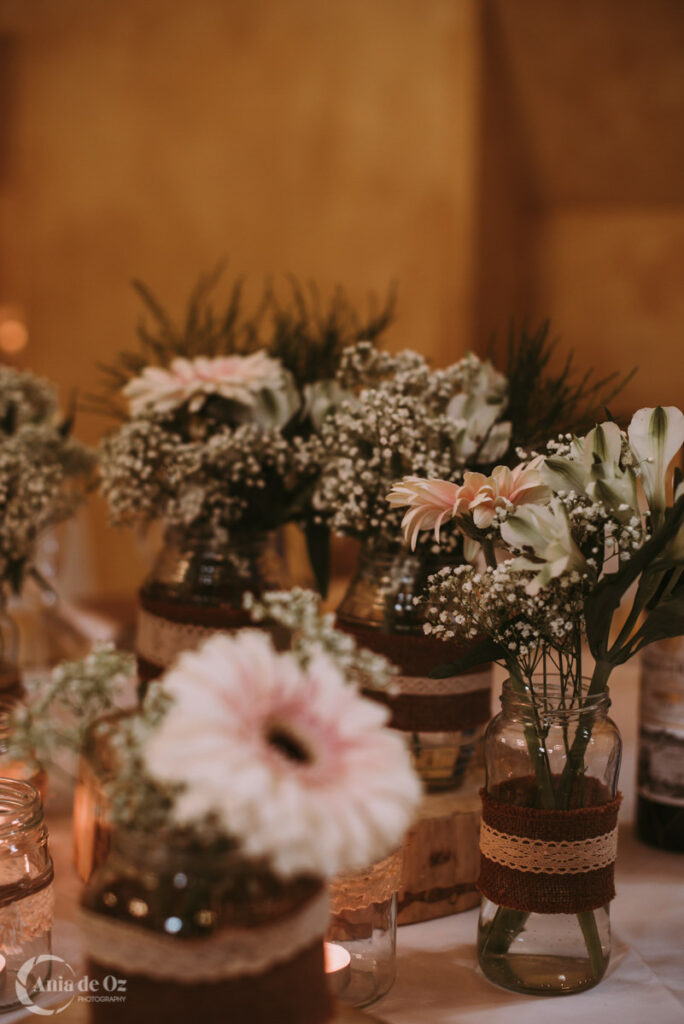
{"x":24,"y":919}
{"x":549,"y":861}
{"x":363,"y":888}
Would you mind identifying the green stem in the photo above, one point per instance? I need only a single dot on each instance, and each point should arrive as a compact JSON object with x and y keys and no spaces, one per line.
{"x":508,"y":923}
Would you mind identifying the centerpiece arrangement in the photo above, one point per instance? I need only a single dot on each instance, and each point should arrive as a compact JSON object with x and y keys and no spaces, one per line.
{"x":402,"y":418}
{"x":217,"y":413}
{"x":584,"y":542}
{"x":44,"y":475}
{"x":247,"y":778}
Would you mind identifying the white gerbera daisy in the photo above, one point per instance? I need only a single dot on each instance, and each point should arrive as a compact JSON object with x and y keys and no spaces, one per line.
{"x":293,"y":762}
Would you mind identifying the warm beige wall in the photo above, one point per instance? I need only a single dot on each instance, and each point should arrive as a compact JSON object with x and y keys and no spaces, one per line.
{"x":587,"y":226}
{"x":496,"y":157}
{"x":334,"y":140}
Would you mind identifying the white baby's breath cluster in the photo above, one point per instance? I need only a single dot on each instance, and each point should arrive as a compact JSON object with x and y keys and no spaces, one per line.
{"x":464,"y":604}
{"x":402,"y":418}
{"x":232,"y":476}
{"x":60,"y":710}
{"x":43,"y":472}
{"x":311,"y":630}
{"x":598,"y":515}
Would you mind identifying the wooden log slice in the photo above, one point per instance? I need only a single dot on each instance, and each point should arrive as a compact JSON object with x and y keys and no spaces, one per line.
{"x":442,"y":855}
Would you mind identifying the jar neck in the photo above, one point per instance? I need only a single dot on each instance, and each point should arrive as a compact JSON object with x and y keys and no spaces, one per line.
{"x":200,"y":540}
{"x":553,"y":700}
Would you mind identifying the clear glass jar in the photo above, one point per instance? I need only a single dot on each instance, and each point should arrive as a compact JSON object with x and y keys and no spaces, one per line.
{"x":26,"y":893}
{"x":92,"y":828}
{"x":200,"y":934}
{"x":196,"y":587}
{"x":554,"y":752}
{"x":364,"y":921}
{"x":383,"y":610}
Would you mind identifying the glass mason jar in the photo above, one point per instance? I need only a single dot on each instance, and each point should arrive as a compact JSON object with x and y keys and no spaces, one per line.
{"x":92,"y":828}
{"x":200,"y":934}
{"x":552,"y":762}
{"x":364,"y":922}
{"x":27,"y":898}
{"x":196,"y":587}
{"x":444,"y":718}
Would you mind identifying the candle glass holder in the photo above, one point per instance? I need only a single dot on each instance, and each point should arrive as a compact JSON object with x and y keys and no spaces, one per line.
{"x":26,"y":892}
{"x":364,"y":922}
{"x":92,"y":827}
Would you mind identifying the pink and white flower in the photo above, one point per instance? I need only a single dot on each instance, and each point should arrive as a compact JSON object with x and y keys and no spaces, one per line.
{"x":433,"y":502}
{"x":292,"y":762}
{"x":242,"y":379}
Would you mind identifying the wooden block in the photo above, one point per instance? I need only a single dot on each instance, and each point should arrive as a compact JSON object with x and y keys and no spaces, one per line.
{"x":442,"y":855}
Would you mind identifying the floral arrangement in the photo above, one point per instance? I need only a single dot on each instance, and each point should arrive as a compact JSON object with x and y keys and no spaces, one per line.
{"x":317,"y":784}
{"x":217,"y":411}
{"x":584,"y":542}
{"x":44,"y":472}
{"x":564,"y":538}
{"x":401,"y":418}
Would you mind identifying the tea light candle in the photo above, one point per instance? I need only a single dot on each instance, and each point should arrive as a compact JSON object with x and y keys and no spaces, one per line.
{"x":337,"y":965}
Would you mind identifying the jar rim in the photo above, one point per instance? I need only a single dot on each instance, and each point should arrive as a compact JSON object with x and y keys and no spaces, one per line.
{"x":552,"y":699}
{"x":21,"y":806}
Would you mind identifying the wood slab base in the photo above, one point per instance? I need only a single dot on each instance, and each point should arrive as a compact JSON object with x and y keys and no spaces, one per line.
{"x":442,"y":855}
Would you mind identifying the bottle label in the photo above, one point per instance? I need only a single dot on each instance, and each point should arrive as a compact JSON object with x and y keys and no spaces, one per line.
{"x":661,"y":746}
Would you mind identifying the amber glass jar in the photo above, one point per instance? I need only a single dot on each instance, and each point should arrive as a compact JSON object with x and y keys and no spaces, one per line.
{"x":196,"y":587}
{"x":199,"y":934}
{"x":444,"y":719}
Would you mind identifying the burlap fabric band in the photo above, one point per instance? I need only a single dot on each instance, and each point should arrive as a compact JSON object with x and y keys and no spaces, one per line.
{"x":421,"y":704}
{"x":548,"y":861}
{"x":230,"y":953}
{"x":165,"y":630}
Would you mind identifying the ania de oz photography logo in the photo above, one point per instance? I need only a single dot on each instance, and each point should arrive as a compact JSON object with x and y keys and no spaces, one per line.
{"x":47,"y":985}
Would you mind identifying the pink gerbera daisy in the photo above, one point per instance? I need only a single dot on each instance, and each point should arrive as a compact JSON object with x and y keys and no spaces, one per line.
{"x":292,"y":762}
{"x":433,"y":502}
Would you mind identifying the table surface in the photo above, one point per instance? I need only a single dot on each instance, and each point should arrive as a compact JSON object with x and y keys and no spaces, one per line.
{"x":438,"y":981}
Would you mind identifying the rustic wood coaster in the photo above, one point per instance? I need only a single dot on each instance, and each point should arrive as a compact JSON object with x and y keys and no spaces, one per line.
{"x":442,"y":854}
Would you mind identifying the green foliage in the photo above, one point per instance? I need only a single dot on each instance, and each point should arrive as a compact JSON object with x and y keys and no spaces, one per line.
{"x":543,"y":402}
{"x":305,"y":332}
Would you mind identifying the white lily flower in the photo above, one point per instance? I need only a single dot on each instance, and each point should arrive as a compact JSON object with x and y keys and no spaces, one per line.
{"x":544,"y":533}
{"x":655,"y":436}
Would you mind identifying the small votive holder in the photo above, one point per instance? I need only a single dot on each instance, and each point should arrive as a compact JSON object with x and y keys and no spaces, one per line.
{"x":364,"y":922}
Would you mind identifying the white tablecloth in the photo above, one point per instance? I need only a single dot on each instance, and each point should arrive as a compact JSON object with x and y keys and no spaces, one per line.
{"x":438,"y":981}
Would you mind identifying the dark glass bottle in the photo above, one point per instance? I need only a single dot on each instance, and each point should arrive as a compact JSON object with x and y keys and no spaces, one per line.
{"x":660,"y":795}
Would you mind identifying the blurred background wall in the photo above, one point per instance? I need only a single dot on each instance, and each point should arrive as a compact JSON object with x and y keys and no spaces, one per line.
{"x":496,"y":158}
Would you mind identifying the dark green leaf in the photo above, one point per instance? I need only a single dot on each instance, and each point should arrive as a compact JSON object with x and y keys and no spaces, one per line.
{"x":602,"y":603}
{"x":318,"y":548}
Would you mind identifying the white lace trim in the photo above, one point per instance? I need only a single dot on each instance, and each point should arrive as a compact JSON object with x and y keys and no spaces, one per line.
{"x":26,"y":919}
{"x":423,"y":686}
{"x":230,"y":953}
{"x":374,"y":885}
{"x":563,"y":857}
{"x":160,"y":640}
